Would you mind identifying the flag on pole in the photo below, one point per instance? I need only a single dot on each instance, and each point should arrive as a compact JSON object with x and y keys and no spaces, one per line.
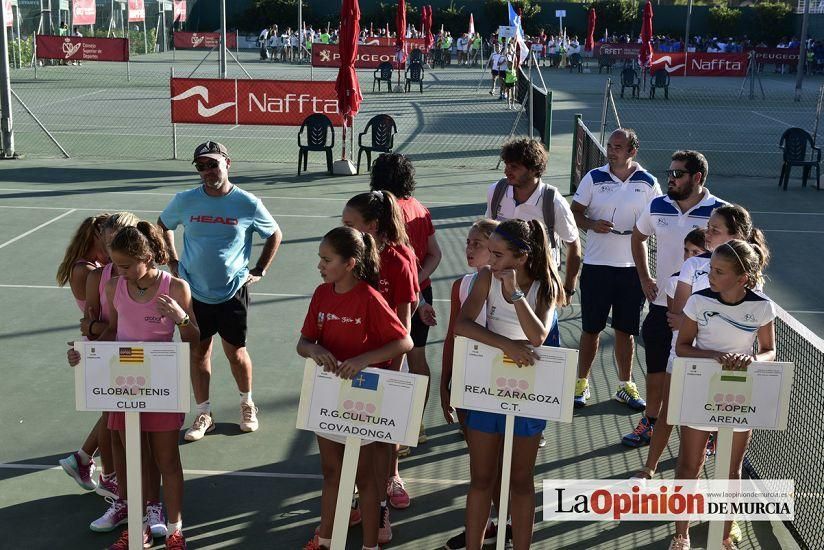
{"x":515,"y":21}
{"x":471,"y":25}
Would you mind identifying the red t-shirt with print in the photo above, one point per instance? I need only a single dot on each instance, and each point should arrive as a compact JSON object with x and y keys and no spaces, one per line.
{"x":398,"y":275}
{"x":418,"y":228}
{"x":352,"y":323}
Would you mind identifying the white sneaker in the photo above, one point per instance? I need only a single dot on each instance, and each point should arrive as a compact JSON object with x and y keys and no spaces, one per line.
{"x":248,"y":417}
{"x":117,"y":514}
{"x":202,"y":425}
{"x":156,"y":519}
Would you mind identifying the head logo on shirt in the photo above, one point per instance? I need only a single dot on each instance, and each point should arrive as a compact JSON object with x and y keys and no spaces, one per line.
{"x":705,"y":317}
{"x":662,"y":222}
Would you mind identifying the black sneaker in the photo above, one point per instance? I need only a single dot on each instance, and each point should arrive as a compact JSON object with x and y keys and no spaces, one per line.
{"x":458,"y":542}
{"x":508,"y":538}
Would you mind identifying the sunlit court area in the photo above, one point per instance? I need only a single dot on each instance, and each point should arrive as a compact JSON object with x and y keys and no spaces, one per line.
{"x":158,"y":108}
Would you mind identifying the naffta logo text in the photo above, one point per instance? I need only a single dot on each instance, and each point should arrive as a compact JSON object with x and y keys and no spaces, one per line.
{"x":203,"y":94}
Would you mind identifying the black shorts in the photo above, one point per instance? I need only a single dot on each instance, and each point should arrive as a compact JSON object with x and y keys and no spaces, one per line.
{"x":657,"y":338}
{"x":420,"y":330}
{"x":494,"y":72}
{"x":604,"y":287}
{"x":227,"y":318}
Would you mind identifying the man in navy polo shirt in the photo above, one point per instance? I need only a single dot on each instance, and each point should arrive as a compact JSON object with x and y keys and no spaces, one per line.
{"x":606,"y":205}
{"x":218,"y":220}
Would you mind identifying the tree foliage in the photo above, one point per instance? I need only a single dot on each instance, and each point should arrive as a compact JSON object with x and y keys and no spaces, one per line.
{"x":773,"y":21}
{"x":724,"y":21}
{"x":619,"y":16}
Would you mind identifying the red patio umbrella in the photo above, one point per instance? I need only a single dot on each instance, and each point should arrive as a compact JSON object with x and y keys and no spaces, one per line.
{"x":346,"y":85}
{"x":590,"y":41}
{"x":400,"y":23}
{"x":645,"y":55}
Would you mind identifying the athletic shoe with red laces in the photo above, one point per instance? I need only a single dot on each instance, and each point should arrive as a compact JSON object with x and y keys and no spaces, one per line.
{"x":107,"y":487}
{"x":398,"y":497}
{"x":385,"y":528}
{"x":176,"y":541}
{"x":123,"y":542}
{"x":313,"y":544}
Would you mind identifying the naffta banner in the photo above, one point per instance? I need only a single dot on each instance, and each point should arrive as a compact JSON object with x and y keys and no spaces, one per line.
{"x":700,"y":64}
{"x":137,"y":11}
{"x":194,"y":40}
{"x":369,"y":57}
{"x":84,"y":12}
{"x":80,"y":48}
{"x":251,"y":102}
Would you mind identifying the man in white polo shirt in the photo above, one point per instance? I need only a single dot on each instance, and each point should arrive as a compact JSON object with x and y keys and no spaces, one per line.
{"x":687,"y":205}
{"x":606,"y":204}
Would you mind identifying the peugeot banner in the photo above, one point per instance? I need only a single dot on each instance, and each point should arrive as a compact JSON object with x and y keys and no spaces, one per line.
{"x":369,"y":57}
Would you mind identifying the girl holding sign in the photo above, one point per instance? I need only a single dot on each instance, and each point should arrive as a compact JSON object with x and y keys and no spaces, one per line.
{"x":378,"y":214}
{"x":146,"y":304}
{"x":520,"y":290}
{"x":84,"y":254}
{"x":722,"y":322}
{"x":349,"y":326}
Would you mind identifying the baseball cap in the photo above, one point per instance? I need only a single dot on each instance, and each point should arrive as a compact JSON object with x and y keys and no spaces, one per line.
{"x":211,"y":149}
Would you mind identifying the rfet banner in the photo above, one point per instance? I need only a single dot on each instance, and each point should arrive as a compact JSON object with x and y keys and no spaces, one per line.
{"x":251,"y":102}
{"x":776,"y":56}
{"x":180,"y":11}
{"x":622,"y":51}
{"x":84,"y":12}
{"x":369,"y":57}
{"x":700,"y":64}
{"x":81,"y":48}
{"x":137,"y":11}
{"x":193,"y":40}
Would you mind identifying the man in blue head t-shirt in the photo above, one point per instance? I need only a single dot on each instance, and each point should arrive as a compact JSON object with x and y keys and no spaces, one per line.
{"x":218,"y":221}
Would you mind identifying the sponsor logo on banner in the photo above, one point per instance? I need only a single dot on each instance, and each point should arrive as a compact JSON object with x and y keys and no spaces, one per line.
{"x":390,"y":42}
{"x":82,"y":48}
{"x":778,"y":56}
{"x":624,"y":51}
{"x":369,"y":57}
{"x":251,"y":102}
{"x":84,"y":12}
{"x":192,"y":40}
{"x":137,"y":11}
{"x":700,"y":64}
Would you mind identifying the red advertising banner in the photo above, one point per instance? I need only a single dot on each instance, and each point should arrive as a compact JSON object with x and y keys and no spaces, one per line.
{"x":180,"y":12}
{"x":700,"y":64}
{"x":251,"y":102}
{"x":776,"y":56}
{"x":623,"y":51}
{"x":137,"y":11}
{"x":369,"y":57}
{"x":81,"y":48}
{"x":411,"y":43}
{"x":84,"y":12}
{"x":194,"y":40}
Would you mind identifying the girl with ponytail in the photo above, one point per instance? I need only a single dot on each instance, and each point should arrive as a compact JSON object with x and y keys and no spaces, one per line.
{"x":349,"y":326}
{"x":147,"y":304}
{"x":520,"y":289}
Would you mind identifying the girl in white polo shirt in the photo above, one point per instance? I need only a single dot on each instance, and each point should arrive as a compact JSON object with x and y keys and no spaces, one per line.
{"x":722,"y":322}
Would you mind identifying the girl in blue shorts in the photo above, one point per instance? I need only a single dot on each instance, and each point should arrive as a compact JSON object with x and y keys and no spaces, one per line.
{"x":520,"y":290}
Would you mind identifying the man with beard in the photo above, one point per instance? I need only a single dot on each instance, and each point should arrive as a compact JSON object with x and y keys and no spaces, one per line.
{"x":218,"y":220}
{"x":606,"y":205}
{"x":688,"y":204}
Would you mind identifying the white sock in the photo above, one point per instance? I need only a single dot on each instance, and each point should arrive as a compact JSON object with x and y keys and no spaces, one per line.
{"x":246,"y":397}
{"x":84,"y":457}
{"x":172,"y":527}
{"x":383,"y":503}
{"x":204,"y":408}
{"x":324,"y":542}
{"x":623,"y":382}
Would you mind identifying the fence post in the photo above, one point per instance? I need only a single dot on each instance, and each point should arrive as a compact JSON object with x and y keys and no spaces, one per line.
{"x":174,"y":126}
{"x":572,"y":183}
{"x":548,"y":121}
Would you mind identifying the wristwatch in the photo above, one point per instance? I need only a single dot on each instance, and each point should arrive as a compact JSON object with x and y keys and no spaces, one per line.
{"x":517,"y":295}
{"x":570,"y":291}
{"x":184,"y":322}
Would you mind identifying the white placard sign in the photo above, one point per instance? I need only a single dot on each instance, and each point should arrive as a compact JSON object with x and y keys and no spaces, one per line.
{"x":560,"y":13}
{"x":376,"y":405}
{"x":132,"y":376}
{"x":702,"y":394}
{"x":484,"y":379}
{"x":506,"y":31}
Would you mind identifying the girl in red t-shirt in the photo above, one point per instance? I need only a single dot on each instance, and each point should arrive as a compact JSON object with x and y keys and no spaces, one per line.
{"x":349,"y":326}
{"x":378,"y":214}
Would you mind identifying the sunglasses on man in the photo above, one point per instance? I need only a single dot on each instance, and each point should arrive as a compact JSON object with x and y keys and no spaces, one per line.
{"x":202,"y":166}
{"x":677,"y":173}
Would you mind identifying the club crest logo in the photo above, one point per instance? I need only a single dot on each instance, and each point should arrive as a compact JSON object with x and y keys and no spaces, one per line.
{"x":361,"y":398}
{"x":130,"y":370}
{"x":197,"y":40}
{"x":508,"y":377}
{"x":70,"y":48}
{"x":728,"y":389}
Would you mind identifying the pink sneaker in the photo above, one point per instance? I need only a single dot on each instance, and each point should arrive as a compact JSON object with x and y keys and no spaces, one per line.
{"x":385,"y":528}
{"x":107,"y":487}
{"x":82,"y":474}
{"x":398,"y":497}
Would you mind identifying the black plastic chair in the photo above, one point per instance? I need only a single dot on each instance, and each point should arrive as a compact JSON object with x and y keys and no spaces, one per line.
{"x":318,"y":128}
{"x":629,"y":79}
{"x":575,"y":62}
{"x":437,"y":56}
{"x":416,"y":56}
{"x":414,"y":73}
{"x":794,"y":143}
{"x":383,"y":74}
{"x":605,"y":61}
{"x":383,"y":138}
{"x":660,"y":79}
